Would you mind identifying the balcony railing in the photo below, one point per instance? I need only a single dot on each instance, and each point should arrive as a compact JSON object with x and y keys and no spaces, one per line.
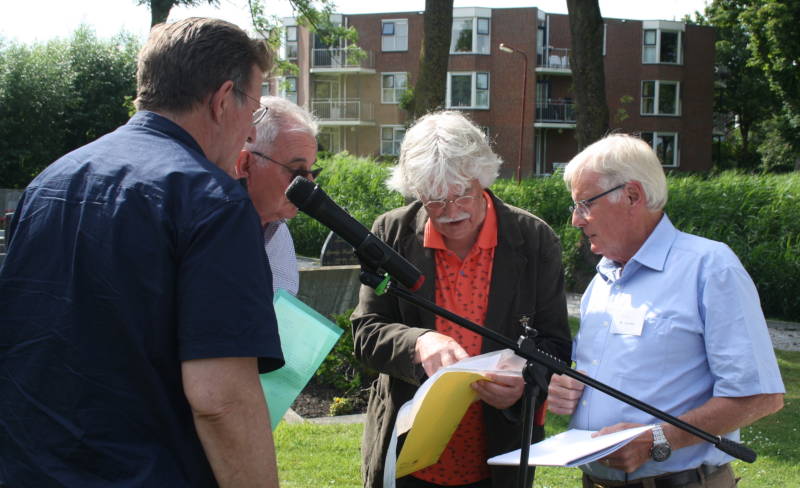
{"x":343,"y":110}
{"x":341,"y":58}
{"x":555,"y":111}
{"x":553,"y":58}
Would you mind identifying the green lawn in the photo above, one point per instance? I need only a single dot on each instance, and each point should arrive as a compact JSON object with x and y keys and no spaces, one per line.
{"x":312,"y":455}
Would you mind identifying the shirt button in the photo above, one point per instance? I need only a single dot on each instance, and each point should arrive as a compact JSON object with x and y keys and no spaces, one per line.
{"x":605,"y":323}
{"x":583,"y":402}
{"x":594,"y":362}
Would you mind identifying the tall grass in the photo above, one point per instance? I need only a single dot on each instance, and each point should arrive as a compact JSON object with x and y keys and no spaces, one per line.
{"x":757,"y":216}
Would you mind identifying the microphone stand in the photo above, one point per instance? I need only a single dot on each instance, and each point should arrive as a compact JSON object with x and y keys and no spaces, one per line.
{"x":383,"y":284}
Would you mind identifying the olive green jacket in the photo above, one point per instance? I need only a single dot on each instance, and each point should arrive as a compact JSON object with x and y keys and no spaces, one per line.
{"x":527,"y":280}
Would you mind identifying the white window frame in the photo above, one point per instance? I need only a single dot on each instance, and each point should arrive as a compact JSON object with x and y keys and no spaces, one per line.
{"x":289,"y":88}
{"x":655,"y":135}
{"x":657,"y":84}
{"x":398,"y":39}
{"x":290,"y":41}
{"x":394,"y":141}
{"x":397,"y":89}
{"x":474,"y":90}
{"x":482,"y":35}
{"x":659,"y":27}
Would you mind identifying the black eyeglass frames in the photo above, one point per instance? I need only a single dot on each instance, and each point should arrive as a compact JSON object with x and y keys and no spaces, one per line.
{"x":295,"y":172}
{"x":582,"y":206}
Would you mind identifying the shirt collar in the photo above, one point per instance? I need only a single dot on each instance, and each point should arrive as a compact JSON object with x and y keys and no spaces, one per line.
{"x":653,"y":253}
{"x":159,"y":123}
{"x":487,"y":237}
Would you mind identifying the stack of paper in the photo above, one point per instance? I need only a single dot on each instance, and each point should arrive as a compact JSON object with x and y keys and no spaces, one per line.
{"x":571,"y":448}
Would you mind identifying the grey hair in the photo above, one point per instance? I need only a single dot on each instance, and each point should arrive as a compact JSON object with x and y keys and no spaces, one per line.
{"x":617,"y":159}
{"x":443,"y":152}
{"x":282,"y":116}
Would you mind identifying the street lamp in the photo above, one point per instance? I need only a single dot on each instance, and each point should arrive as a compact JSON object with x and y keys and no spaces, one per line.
{"x":509,"y":49}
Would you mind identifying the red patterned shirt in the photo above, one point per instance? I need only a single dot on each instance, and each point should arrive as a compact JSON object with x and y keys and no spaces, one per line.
{"x":463,"y":288}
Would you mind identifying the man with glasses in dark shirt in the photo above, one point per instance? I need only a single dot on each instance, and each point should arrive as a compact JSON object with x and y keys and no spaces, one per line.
{"x":134,"y":317}
{"x":285,"y":147}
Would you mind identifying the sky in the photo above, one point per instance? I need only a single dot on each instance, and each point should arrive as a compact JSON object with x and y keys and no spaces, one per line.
{"x":28,"y":21}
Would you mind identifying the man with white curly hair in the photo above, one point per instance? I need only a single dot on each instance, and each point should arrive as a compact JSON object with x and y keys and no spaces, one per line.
{"x":494,"y":264}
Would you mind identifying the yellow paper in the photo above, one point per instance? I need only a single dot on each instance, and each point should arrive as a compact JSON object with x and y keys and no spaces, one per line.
{"x":438,"y":417}
{"x":440,"y":404}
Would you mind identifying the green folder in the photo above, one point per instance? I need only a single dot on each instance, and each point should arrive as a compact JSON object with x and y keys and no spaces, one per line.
{"x":306,"y":339}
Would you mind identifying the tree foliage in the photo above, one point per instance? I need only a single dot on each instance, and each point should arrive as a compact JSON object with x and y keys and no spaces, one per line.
{"x":757,"y":88}
{"x":59,"y":95}
{"x":586,"y":60}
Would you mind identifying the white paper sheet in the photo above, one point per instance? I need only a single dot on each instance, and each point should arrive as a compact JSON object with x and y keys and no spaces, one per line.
{"x":571,"y":448}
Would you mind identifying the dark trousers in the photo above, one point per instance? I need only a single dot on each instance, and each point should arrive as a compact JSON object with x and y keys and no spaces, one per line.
{"x":412,"y":482}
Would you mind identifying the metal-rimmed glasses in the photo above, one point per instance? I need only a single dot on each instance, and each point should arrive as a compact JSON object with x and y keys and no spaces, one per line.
{"x":295,"y":172}
{"x":260,"y":113}
{"x":584,"y":206}
{"x":463,"y":201}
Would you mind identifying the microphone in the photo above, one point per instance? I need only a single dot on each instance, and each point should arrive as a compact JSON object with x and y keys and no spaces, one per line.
{"x":311,"y":200}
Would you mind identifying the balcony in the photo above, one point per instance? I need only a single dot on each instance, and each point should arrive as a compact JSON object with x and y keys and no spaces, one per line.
{"x":554,"y":61}
{"x":343,"y":112}
{"x":342,"y":60}
{"x":557,"y":114}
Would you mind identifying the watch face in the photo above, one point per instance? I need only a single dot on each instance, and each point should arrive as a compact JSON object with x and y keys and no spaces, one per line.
{"x":660,"y":452}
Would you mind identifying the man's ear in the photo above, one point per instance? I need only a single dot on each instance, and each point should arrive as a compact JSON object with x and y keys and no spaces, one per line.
{"x":220,"y":101}
{"x":242,"y":167}
{"x":634,"y":193}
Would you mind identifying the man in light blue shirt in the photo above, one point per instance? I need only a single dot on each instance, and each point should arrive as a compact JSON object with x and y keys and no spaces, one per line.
{"x":671,"y":319}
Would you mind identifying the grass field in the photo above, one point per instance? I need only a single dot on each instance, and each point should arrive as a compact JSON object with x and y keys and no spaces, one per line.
{"x":311,"y":455}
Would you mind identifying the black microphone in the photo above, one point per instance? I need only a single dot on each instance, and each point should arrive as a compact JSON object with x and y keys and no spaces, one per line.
{"x":310,"y":199}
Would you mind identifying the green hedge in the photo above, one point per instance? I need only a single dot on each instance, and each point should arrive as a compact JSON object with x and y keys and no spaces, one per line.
{"x":757,"y":216}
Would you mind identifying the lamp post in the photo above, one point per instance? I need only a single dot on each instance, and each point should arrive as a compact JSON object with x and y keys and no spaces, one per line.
{"x":509,"y":49}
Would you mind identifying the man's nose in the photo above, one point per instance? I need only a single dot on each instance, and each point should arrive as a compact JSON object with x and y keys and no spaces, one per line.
{"x":577,"y":219}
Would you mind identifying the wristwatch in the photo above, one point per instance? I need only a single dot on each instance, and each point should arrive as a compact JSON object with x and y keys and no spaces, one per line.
{"x":661,"y":449}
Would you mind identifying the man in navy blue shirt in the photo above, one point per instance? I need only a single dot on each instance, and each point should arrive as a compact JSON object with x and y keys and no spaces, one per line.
{"x":134,"y":314}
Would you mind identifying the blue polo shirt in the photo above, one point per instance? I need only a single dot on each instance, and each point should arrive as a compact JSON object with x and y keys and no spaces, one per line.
{"x":127,"y":256}
{"x":679,"y":323}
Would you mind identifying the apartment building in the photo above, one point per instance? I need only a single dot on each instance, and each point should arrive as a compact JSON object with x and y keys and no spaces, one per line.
{"x":659,"y":83}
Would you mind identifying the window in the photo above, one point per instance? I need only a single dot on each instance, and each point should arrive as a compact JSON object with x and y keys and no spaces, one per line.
{"x":291,"y":43}
{"x":468,"y":90}
{"x":662,"y":46}
{"x":470,"y":35}
{"x":660,"y":98}
{"x":394,"y":35}
{"x":289,"y":88}
{"x":265,"y":88}
{"x":393,"y":86}
{"x":665,"y":144}
{"x":391,"y":138}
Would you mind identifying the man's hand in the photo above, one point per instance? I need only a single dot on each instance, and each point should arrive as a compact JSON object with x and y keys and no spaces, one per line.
{"x":435,"y":350}
{"x":633,"y":454}
{"x":563,"y":394}
{"x":500,"y":391}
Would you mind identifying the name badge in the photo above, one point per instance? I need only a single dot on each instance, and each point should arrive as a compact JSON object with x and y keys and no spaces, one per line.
{"x":628,"y":321}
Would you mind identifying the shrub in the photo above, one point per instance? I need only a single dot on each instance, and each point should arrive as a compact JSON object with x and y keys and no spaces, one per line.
{"x":755,"y":215}
{"x":341,"y":369}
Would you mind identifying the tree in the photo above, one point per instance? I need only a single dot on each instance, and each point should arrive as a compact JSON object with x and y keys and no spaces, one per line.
{"x":159,"y":9}
{"x":586,"y":59}
{"x":741,"y":92}
{"x":431,"y":87}
{"x":57,"y":96}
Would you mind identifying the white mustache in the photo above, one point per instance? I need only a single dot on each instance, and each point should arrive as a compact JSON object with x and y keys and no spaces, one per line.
{"x":456,"y":218}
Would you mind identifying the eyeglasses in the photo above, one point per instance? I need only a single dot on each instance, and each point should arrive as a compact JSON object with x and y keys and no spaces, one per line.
{"x":260,"y":113}
{"x":295,"y":172}
{"x":583,"y":206}
{"x":462,"y":201}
